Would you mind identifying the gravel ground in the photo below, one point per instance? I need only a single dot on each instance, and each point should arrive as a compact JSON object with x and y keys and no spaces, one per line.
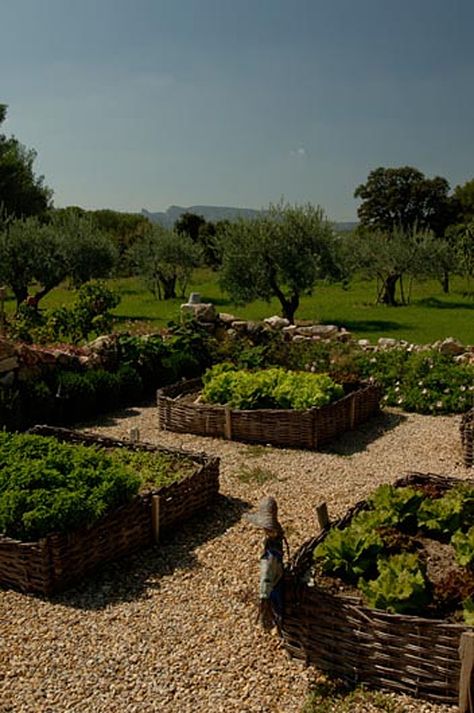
{"x":173,"y":629}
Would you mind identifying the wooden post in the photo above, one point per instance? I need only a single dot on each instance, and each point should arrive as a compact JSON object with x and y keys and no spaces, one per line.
{"x":155,"y":517}
{"x":466,"y":678}
{"x":134,"y":434}
{"x":352,"y":411}
{"x":3,"y":295}
{"x":322,"y":516}
{"x":228,"y":423}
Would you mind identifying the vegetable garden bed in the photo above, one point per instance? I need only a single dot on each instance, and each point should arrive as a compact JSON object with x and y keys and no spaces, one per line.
{"x":178,"y":411}
{"x":60,"y":559}
{"x":467,"y":438}
{"x":331,"y":627}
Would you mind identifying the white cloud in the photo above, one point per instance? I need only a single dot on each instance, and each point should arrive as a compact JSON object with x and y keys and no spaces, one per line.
{"x":300,"y":152}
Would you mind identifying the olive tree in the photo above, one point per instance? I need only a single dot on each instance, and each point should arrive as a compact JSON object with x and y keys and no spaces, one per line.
{"x":281,"y":253}
{"x":166,"y":259}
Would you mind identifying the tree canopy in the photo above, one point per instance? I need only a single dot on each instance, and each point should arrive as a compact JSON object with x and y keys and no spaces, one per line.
{"x":165,"y":260}
{"x":404,"y":199}
{"x":40,"y":255}
{"x":22,"y":193}
{"x":279,"y":254}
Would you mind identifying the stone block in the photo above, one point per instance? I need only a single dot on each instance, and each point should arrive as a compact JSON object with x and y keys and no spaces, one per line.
{"x":8,"y":364}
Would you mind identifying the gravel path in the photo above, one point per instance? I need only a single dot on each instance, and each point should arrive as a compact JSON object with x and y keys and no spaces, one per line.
{"x":173,"y":629}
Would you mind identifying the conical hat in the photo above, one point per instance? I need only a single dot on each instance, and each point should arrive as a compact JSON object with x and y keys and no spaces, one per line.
{"x":266,"y":515}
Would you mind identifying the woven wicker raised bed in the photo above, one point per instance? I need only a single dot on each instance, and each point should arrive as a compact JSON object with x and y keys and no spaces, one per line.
{"x":281,"y":427}
{"x":342,"y":637}
{"x":60,"y":559}
{"x":467,"y":438}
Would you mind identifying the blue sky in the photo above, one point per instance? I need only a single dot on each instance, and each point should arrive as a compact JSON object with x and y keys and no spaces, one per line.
{"x":147,"y":103}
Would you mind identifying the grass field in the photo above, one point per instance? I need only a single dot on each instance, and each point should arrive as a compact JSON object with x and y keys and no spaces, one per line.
{"x":431,"y":314}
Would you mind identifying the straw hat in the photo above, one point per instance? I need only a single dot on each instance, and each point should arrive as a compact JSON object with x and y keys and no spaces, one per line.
{"x":266,"y":515}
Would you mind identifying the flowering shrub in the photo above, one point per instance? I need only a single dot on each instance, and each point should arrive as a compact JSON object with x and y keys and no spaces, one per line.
{"x":424,"y":382}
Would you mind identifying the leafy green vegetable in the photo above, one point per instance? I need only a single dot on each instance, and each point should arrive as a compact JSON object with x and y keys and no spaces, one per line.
{"x":268,"y":388}
{"x":400,"y":588}
{"x":47,"y":486}
{"x":468,"y":611}
{"x":464,"y":547}
{"x":454,"y":511}
{"x":396,"y":506}
{"x":154,"y":469}
{"x":349,"y":553}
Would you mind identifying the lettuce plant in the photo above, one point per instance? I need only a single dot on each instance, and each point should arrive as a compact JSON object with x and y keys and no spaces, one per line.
{"x":463,"y":543}
{"x":349,"y":553}
{"x":400,"y":588}
{"x":443,"y":516}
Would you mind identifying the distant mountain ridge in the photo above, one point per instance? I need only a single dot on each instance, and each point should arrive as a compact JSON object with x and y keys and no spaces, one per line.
{"x":213,"y":213}
{"x":208,"y":212}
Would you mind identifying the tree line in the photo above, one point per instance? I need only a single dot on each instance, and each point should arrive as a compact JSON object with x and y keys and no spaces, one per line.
{"x":410,"y":227}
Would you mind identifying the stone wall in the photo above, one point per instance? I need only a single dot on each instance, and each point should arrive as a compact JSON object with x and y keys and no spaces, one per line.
{"x":224,"y":324}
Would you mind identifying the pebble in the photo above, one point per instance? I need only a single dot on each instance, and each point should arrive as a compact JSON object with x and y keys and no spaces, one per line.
{"x":173,"y":628}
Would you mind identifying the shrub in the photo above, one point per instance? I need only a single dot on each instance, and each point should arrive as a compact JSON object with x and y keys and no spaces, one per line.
{"x":424,"y":382}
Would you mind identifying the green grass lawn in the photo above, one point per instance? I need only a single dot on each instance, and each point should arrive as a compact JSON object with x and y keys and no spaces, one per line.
{"x":431,"y":314}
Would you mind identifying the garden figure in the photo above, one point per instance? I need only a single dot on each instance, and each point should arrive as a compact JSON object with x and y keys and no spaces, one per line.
{"x":271,"y":563}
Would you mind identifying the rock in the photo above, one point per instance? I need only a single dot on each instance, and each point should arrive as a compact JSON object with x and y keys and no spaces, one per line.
{"x":254,"y":328}
{"x":240,"y":325}
{"x":387,"y":343}
{"x":226,"y":317}
{"x":203,"y":312}
{"x":8,"y":364}
{"x":451,"y":347}
{"x":324,"y":331}
{"x":363,"y":343}
{"x":7,"y":379}
{"x":277,"y":322}
{"x":7,"y":349}
{"x":291,"y":329}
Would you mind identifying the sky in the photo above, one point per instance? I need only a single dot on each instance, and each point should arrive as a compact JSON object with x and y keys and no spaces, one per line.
{"x":136,"y":104}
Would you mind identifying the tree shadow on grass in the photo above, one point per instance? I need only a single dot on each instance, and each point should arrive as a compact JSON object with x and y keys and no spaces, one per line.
{"x":357,"y":440}
{"x":436,"y":303}
{"x":370,"y":325}
{"x":132,"y":577}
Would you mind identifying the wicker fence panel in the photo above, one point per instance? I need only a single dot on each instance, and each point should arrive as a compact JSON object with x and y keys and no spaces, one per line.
{"x":177,"y":411}
{"x":60,"y":559}
{"x":341,"y":637}
{"x":344,"y":638}
{"x":467,"y":438}
{"x":181,"y":500}
{"x":25,"y":565}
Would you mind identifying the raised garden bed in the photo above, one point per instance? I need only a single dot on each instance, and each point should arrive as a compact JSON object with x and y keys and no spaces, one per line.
{"x":467,"y":438}
{"x":331,"y":627}
{"x":178,"y":411}
{"x":60,"y":559}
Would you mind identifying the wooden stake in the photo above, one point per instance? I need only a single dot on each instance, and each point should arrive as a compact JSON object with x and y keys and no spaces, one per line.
{"x":228,"y":423}
{"x":134,"y":434}
{"x":155,"y":517}
{"x":322,"y":516}
{"x":466,"y":678}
